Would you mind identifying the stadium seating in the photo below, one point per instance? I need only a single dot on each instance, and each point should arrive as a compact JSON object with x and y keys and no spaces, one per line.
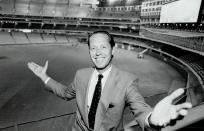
{"x":21,"y":9}
{"x":6,"y":38}
{"x":201,"y":73}
{"x":60,"y":38}
{"x":35,"y":38}
{"x":190,"y":58}
{"x":196,"y":62}
{"x":195,"y":43}
{"x":48,"y":38}
{"x":7,"y":7}
{"x":20,"y":37}
{"x":112,"y":14}
{"x":76,"y":11}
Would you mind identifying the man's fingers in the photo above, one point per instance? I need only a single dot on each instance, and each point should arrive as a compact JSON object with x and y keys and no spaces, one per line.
{"x":163,"y":123}
{"x":182,"y":109}
{"x":183,"y":112}
{"x":34,"y":67}
{"x":176,"y":93}
{"x":46,"y":65}
{"x":31,"y":65}
{"x":183,"y":106}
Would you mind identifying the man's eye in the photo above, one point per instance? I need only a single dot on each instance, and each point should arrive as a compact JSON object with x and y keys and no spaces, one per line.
{"x":104,"y":47}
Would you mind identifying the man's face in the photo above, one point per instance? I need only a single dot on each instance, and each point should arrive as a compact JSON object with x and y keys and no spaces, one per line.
{"x":100,"y":51}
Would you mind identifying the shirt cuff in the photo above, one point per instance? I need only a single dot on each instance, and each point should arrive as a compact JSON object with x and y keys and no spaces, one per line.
{"x":147,"y":119}
{"x":46,"y":81}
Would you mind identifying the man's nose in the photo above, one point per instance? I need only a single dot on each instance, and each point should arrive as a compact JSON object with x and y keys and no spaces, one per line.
{"x":98,"y":52}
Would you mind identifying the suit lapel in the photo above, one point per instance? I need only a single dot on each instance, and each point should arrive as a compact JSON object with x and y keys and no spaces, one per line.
{"x":106,"y":97}
{"x":107,"y":93}
{"x":87,"y":81}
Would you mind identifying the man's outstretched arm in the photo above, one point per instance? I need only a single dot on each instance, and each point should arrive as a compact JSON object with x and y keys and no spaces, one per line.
{"x":56,"y":87}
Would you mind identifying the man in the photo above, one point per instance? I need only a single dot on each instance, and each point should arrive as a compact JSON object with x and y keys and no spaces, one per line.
{"x":103,"y":91}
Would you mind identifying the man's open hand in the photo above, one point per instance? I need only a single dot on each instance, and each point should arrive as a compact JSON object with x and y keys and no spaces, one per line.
{"x":38,"y":70}
{"x":165,"y":111}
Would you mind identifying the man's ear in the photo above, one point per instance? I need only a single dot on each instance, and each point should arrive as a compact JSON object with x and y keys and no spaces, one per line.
{"x":113,"y":50}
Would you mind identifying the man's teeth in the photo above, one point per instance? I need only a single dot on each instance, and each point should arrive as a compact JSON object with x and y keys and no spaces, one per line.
{"x":99,"y":58}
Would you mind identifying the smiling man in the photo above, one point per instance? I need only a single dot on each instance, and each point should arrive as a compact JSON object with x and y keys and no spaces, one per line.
{"x":103,"y":91}
{"x":101,"y":51}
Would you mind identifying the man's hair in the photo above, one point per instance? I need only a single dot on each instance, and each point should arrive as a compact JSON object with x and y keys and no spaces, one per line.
{"x":111,"y":40}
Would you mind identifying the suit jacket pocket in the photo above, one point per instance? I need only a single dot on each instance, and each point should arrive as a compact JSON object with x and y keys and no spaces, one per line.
{"x":112,"y":107}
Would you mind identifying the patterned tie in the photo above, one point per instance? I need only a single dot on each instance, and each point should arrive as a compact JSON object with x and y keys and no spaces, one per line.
{"x":94,"y":103}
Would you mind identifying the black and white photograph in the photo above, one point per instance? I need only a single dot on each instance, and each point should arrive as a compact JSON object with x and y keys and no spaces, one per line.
{"x":101,"y":65}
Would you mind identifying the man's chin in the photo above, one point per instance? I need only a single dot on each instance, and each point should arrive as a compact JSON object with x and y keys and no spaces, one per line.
{"x":100,"y":67}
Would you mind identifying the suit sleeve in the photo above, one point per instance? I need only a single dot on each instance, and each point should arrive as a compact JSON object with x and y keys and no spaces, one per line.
{"x":65,"y":92}
{"x":137,"y":104}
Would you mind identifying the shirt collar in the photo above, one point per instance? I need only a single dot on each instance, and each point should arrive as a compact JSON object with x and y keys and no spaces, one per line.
{"x":105,"y":73}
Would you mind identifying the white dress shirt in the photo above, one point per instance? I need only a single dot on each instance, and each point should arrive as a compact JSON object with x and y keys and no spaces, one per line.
{"x":93,"y":82}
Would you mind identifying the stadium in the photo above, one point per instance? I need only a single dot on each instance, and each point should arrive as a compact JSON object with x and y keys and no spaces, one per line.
{"x":161,"y":41}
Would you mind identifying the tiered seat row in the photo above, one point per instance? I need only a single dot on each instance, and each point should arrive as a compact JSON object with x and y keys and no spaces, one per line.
{"x":201,"y":74}
{"x":109,"y":14}
{"x":196,"y":66}
{"x":195,"y":42}
{"x":32,"y":38}
{"x":6,"y":38}
{"x":190,"y":58}
{"x":61,"y":38}
{"x":196,"y":63}
{"x":20,"y":37}
{"x":35,"y":37}
{"x":48,"y":38}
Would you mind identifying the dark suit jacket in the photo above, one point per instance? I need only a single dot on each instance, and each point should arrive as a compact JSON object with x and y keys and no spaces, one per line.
{"x":121,"y":89}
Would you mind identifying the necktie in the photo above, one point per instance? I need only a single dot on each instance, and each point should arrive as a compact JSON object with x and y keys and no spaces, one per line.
{"x":94,"y":103}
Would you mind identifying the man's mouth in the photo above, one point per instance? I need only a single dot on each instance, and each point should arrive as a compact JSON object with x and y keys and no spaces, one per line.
{"x":99,"y":59}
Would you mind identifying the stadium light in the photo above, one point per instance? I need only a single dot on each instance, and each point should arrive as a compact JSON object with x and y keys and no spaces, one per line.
{"x":26,"y":30}
{"x":133,"y":27}
{"x":123,"y":26}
